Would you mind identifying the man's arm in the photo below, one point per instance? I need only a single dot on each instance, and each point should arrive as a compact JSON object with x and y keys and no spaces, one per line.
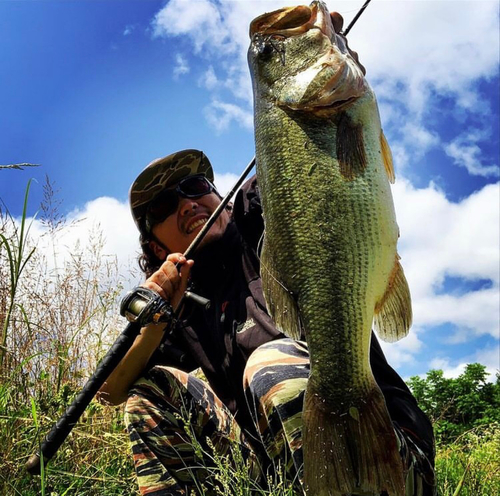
{"x":170,"y":284}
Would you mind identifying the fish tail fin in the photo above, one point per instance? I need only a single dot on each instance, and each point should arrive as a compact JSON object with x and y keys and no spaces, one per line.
{"x":393,"y":314}
{"x":352,"y":451}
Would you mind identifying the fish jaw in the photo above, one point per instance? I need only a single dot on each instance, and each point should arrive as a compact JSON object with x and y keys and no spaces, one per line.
{"x":299,"y":62}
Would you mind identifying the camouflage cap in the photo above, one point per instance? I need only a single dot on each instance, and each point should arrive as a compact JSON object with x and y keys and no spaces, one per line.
{"x":162,"y":173}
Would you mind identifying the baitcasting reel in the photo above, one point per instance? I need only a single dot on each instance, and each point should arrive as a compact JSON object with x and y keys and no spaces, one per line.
{"x":144,"y":306}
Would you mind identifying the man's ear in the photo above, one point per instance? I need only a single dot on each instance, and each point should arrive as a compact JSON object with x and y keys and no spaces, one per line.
{"x":159,"y":251}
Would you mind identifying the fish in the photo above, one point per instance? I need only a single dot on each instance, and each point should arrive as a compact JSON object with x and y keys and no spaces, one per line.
{"x":330,"y":268}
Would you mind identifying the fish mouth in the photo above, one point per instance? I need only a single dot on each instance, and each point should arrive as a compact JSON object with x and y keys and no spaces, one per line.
{"x":328,"y":79}
{"x":293,"y":21}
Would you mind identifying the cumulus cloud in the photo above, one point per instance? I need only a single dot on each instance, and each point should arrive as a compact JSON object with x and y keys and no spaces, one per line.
{"x":490,"y":357}
{"x":220,"y":115}
{"x":403,"y":352}
{"x":421,"y":56}
{"x":181,"y":67}
{"x":105,"y":220}
{"x":201,"y":19}
{"x":224,"y":182}
{"x":209,"y":79}
{"x":440,"y":238}
{"x":466,"y":152}
{"x":129,"y":28}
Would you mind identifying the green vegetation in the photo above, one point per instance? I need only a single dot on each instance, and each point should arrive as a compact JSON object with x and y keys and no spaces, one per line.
{"x":465,"y":412}
{"x":457,"y":405}
{"x":58,"y":319}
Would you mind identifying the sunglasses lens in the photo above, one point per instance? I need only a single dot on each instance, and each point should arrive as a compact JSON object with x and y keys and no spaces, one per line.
{"x":194,"y":186}
{"x":162,"y":206}
{"x":166,"y":202}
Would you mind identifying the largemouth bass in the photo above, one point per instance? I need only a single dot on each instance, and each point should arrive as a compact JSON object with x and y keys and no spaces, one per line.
{"x":330,"y":268}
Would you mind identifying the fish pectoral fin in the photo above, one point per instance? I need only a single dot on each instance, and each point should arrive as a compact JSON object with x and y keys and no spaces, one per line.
{"x":393,"y":314}
{"x":281,"y":304}
{"x":387,"y":158}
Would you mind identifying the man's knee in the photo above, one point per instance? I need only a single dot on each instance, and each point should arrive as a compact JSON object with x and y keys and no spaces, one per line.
{"x":277,"y":371}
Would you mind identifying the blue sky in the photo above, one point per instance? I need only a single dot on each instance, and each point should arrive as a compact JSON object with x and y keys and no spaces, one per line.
{"x":94,"y":90}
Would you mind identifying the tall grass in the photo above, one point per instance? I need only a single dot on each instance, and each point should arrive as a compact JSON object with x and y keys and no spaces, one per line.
{"x":58,"y":319}
{"x":470,"y":466}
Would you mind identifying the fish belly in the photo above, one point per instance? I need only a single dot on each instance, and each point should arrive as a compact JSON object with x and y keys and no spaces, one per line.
{"x":329,"y":251}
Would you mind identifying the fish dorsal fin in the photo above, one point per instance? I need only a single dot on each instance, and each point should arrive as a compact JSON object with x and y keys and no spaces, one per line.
{"x":280,"y":302}
{"x":393,"y":314}
{"x":387,"y":158}
{"x":350,"y":147}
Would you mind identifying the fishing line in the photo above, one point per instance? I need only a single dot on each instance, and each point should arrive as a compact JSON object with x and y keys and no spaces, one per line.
{"x":356,"y":17}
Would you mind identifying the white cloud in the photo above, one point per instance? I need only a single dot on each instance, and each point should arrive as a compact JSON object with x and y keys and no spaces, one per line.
{"x":181,"y":67}
{"x":440,"y":238}
{"x":221,"y":114}
{"x":209,"y":79}
{"x":224,"y":182}
{"x":403,"y":352}
{"x":128,"y":29}
{"x":466,"y":153}
{"x":201,"y":19}
{"x":490,"y":357}
{"x":106,"y":217}
{"x":413,"y":50}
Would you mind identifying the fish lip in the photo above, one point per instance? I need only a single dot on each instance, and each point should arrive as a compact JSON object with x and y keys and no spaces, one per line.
{"x":332,"y":108}
{"x":316,"y":16}
{"x":192,"y":220}
{"x":339,"y":105}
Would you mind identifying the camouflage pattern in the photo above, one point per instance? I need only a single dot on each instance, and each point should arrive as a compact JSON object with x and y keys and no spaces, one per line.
{"x":162,"y":173}
{"x":276,"y":377}
{"x":169,"y":413}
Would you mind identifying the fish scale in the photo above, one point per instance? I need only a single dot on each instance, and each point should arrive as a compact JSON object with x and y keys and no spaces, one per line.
{"x":329,"y":260}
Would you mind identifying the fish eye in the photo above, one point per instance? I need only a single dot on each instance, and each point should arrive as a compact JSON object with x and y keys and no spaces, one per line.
{"x":264,"y":46}
{"x":261,"y":45}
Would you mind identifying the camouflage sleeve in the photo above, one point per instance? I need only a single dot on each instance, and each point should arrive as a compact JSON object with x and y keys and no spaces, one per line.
{"x":247,"y":213}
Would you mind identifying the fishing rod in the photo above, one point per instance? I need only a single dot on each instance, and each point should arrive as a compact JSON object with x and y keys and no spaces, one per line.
{"x":356,"y":17}
{"x":141,"y":306}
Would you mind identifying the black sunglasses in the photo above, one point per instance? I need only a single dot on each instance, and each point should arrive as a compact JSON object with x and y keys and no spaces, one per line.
{"x":167,"y":201}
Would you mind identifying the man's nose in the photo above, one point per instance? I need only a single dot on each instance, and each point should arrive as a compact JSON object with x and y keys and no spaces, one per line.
{"x":187,"y":205}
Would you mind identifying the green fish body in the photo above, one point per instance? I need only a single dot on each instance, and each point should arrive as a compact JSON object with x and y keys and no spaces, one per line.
{"x":330,"y":268}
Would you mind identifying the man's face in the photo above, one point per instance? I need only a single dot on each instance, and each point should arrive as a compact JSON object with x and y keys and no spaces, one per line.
{"x":179,"y":229}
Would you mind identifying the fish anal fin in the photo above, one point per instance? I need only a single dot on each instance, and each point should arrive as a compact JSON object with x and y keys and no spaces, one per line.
{"x":351,"y":450}
{"x":393,"y":314}
{"x":280,"y":302}
{"x":387,"y":158}
{"x":350,"y":147}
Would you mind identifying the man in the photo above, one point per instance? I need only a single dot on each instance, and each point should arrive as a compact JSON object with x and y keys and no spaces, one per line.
{"x":256,"y":376}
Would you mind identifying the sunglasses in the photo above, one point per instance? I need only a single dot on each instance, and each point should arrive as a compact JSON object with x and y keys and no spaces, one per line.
{"x":167,"y":201}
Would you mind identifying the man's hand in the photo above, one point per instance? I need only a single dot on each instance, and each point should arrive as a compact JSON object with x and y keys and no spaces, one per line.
{"x":338,"y":24}
{"x":168,"y":281}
